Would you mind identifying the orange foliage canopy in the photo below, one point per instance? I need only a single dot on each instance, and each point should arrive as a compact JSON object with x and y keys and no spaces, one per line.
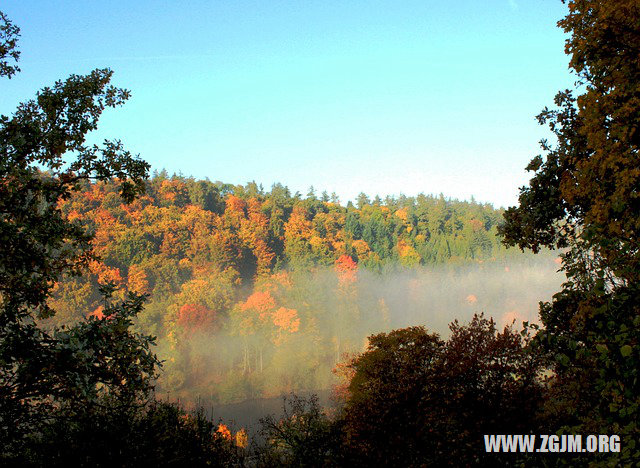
{"x":242,"y":438}
{"x":298,"y":226}
{"x":106,"y":274}
{"x":262,"y":305}
{"x":281,"y":279}
{"x":224,"y":432}
{"x":137,"y":280}
{"x":99,"y":314}
{"x":195,"y":316}
{"x":235,"y":210}
{"x":347,"y":269}
{"x":408,"y":254}
{"x":261,"y":302}
{"x":402,"y":213}
{"x":287,"y":319}
{"x":255,"y":232}
{"x":361,"y":247}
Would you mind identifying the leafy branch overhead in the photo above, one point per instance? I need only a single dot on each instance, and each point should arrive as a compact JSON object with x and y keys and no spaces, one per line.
{"x":54,"y":126}
{"x":69,"y":373}
{"x":9,"y":53}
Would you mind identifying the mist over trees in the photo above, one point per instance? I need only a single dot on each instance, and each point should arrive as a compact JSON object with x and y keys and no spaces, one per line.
{"x":253,"y":293}
{"x":114,"y":284}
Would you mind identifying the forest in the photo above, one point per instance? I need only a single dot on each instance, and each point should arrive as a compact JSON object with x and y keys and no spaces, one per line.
{"x":255,"y":294}
{"x":133,"y":304}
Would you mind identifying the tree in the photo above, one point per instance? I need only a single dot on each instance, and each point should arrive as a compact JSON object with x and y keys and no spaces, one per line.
{"x":584,"y":198}
{"x":384,"y":393}
{"x":160,"y":434}
{"x":362,"y":200}
{"x":206,"y":196}
{"x":9,"y":34}
{"x":303,"y":436}
{"x":417,"y":400}
{"x":70,"y":371}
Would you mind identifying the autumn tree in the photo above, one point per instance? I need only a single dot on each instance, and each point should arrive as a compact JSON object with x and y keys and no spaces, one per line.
{"x":347,"y":313}
{"x":384,"y":393}
{"x":255,"y":233}
{"x":583,"y":197}
{"x":297,"y":233}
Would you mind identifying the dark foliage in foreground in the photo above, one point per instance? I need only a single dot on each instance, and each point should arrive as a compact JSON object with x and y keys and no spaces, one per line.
{"x":584,"y":197}
{"x":415,"y":399}
{"x":303,"y":436}
{"x":158,"y":434}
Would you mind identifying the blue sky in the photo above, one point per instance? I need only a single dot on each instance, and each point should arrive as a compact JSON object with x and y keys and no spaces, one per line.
{"x":382,"y":97}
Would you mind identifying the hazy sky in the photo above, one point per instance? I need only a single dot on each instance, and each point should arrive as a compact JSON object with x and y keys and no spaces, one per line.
{"x":384,"y":97}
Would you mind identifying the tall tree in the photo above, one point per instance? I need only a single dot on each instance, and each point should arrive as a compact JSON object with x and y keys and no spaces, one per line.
{"x":584,"y":197}
{"x":43,"y":372}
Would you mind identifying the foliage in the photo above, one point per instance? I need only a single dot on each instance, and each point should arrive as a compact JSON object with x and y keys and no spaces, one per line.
{"x":75,"y":386}
{"x":584,"y":197}
{"x":9,"y":34}
{"x":256,"y":236}
{"x":159,"y":434}
{"x":304,"y":436}
{"x":415,"y":399}
{"x":77,"y":394}
{"x":205,"y":270}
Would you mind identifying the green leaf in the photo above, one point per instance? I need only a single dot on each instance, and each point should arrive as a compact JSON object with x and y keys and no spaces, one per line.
{"x":626,"y":350}
{"x":563,"y":359}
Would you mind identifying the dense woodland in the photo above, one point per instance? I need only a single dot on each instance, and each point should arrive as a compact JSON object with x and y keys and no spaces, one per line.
{"x":254,"y":294}
{"x":116,"y":286}
{"x":214,"y":226}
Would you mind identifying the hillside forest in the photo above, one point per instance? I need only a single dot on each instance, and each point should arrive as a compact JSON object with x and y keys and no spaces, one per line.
{"x":257,"y":294}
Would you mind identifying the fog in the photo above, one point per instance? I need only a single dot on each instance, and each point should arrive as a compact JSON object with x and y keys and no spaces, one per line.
{"x":331,"y":316}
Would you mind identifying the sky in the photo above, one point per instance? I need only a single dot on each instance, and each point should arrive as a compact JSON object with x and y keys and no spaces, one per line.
{"x":381,"y":97}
